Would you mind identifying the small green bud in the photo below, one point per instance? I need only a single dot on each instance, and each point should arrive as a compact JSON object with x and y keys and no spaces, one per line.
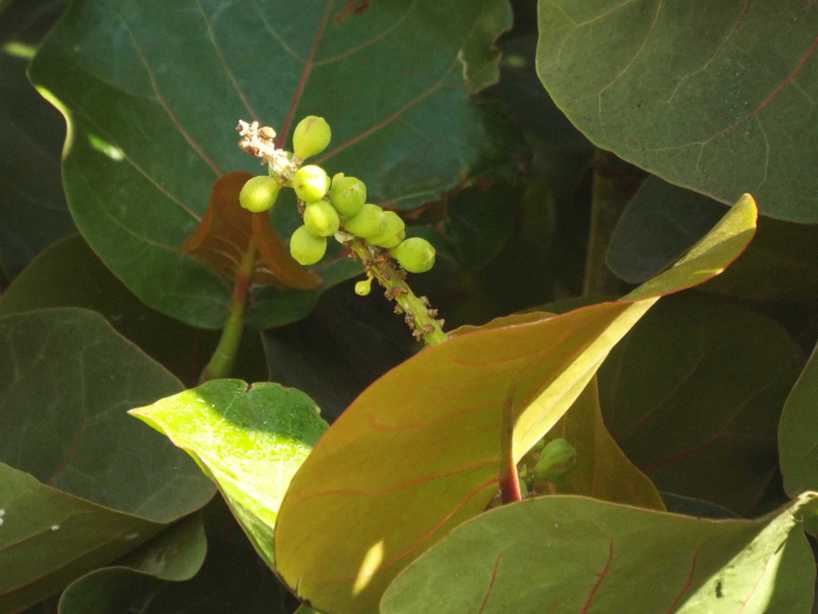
{"x":310,"y":183}
{"x":363,"y":287}
{"x":416,"y":255}
{"x":347,"y":194}
{"x":557,"y":458}
{"x":306,"y":248}
{"x":311,"y":136}
{"x":368,"y":222}
{"x":259,"y":194}
{"x":321,"y":219}
{"x":392,"y":233}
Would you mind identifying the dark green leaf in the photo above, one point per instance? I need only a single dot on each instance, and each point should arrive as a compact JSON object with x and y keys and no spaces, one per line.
{"x":662,"y":221}
{"x":69,"y":274}
{"x":152,"y":115}
{"x":798,"y":442}
{"x":571,"y":554}
{"x":693,"y":396}
{"x":32,"y":206}
{"x":66,"y":380}
{"x":176,"y":555}
{"x":719,"y":97}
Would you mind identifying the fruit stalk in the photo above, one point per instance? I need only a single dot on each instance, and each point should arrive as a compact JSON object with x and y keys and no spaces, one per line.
{"x":224,"y":356}
{"x":420,"y":318}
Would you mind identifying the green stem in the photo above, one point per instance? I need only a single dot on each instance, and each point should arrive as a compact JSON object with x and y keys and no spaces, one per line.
{"x":420,"y":318}
{"x":224,"y":356}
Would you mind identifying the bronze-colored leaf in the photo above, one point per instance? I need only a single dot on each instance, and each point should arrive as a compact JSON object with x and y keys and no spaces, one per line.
{"x":224,"y":233}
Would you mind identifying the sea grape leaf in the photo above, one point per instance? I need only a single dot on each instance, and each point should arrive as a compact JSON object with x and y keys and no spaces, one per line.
{"x":701,"y":418}
{"x":248,"y":439}
{"x":69,"y":274}
{"x":797,"y":430}
{"x":67,"y":378}
{"x":602,"y":470}
{"x":571,"y":554}
{"x":480,"y":56}
{"x":663,"y":220}
{"x":217,"y":587}
{"x":152,"y":115}
{"x":176,"y":554}
{"x":32,"y":206}
{"x":718,"y":97}
{"x":225,"y":232}
{"x":419,"y":450}
{"x":49,"y":537}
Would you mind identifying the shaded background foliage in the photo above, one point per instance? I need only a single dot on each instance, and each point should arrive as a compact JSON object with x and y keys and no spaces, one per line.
{"x":500,"y":182}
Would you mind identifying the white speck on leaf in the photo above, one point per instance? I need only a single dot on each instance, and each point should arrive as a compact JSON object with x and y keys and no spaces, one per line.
{"x":55,"y":527}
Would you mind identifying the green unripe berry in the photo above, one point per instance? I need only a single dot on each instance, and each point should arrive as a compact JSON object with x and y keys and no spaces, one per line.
{"x":321,"y":219}
{"x":306,"y":248}
{"x":367,"y":223}
{"x":394,"y":230}
{"x":416,"y":255}
{"x":557,"y":458}
{"x":259,"y":193}
{"x":311,"y":136}
{"x":363,"y":287}
{"x":310,"y":183}
{"x":347,"y":194}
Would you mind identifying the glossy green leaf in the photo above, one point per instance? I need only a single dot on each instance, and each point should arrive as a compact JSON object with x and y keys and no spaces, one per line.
{"x":66,"y":380}
{"x":248,"y":439}
{"x":419,"y":450}
{"x":701,"y":417}
{"x":570,"y":554}
{"x":32,"y":205}
{"x":175,"y":555}
{"x":718,"y":97}
{"x":798,"y":444}
{"x":663,"y":220}
{"x":152,"y":117}
{"x":68,"y":273}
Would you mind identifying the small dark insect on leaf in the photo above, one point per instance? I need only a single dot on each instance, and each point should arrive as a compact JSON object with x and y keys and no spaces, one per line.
{"x":719,"y":593}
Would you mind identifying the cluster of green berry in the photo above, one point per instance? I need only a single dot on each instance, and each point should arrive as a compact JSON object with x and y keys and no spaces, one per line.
{"x":333,"y":206}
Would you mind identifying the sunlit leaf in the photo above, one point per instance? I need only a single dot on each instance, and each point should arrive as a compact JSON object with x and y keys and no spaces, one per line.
{"x":248,"y":439}
{"x":419,"y":450}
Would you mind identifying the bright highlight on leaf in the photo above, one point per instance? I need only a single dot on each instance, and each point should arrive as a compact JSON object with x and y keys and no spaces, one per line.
{"x":248,"y":439}
{"x":418,"y":451}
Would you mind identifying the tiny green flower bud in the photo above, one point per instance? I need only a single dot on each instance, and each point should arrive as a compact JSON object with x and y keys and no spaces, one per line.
{"x":321,"y":219}
{"x":393,"y":232}
{"x":369,"y":222}
{"x":416,"y":255}
{"x":306,"y":248}
{"x":311,"y":136}
{"x":557,"y":458}
{"x":363,"y":287}
{"x":347,"y":194}
{"x":310,"y":183}
{"x":259,"y":193}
